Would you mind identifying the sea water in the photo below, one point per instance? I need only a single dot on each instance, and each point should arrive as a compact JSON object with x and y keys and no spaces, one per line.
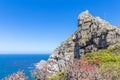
{"x":10,"y":63}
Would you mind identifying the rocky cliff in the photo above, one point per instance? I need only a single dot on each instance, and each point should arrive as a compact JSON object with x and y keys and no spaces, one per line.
{"x":92,"y":34}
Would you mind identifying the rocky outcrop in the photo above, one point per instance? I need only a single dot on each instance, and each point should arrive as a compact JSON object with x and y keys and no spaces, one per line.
{"x":20,"y":75}
{"x":92,"y":34}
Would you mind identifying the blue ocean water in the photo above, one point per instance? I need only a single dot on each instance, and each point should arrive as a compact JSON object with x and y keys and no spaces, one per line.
{"x":10,"y":63}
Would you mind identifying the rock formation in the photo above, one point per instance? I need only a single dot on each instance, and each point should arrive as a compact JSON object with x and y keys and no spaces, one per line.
{"x":20,"y":75}
{"x":92,"y":34}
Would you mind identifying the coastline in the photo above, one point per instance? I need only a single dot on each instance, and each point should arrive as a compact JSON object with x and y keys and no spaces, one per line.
{"x":16,"y":62}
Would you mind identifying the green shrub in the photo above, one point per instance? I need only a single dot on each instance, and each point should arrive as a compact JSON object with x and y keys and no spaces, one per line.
{"x":109,"y":68}
{"x":103,"y":56}
{"x":115,"y":50}
{"x":59,"y":76}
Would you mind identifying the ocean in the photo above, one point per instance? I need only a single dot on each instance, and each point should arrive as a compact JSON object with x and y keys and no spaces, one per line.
{"x":10,"y":63}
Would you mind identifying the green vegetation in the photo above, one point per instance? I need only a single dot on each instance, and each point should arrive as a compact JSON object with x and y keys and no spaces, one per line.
{"x":104,"y":56}
{"x":109,"y":62}
{"x":115,"y":50}
{"x":59,"y":76}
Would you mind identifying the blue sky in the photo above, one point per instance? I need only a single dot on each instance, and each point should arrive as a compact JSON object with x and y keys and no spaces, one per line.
{"x":39,"y":26}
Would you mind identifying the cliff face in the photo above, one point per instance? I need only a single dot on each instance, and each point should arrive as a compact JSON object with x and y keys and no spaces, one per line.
{"x":92,"y":34}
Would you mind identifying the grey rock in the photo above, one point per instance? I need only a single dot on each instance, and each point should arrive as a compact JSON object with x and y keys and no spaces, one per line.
{"x":92,"y":34}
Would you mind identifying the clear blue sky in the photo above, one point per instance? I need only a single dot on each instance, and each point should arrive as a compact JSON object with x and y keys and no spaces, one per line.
{"x":39,"y":26}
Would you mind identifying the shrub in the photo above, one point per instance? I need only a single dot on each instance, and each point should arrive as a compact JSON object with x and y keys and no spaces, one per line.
{"x":109,"y":67}
{"x":103,"y":56}
{"x":59,"y":76}
{"x":81,"y":70}
{"x":20,"y":75}
{"x":115,"y":50}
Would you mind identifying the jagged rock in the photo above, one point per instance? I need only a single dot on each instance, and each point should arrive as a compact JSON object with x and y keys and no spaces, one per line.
{"x":92,"y":34}
{"x":41,"y":64}
{"x":20,"y":75}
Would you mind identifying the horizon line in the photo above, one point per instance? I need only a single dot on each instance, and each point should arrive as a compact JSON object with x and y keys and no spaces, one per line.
{"x":25,"y":52}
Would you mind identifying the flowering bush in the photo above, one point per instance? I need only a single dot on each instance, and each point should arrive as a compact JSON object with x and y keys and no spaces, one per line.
{"x":20,"y":75}
{"x":81,"y":70}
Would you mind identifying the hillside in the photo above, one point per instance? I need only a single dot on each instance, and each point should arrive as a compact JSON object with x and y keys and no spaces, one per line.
{"x":93,"y":34}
